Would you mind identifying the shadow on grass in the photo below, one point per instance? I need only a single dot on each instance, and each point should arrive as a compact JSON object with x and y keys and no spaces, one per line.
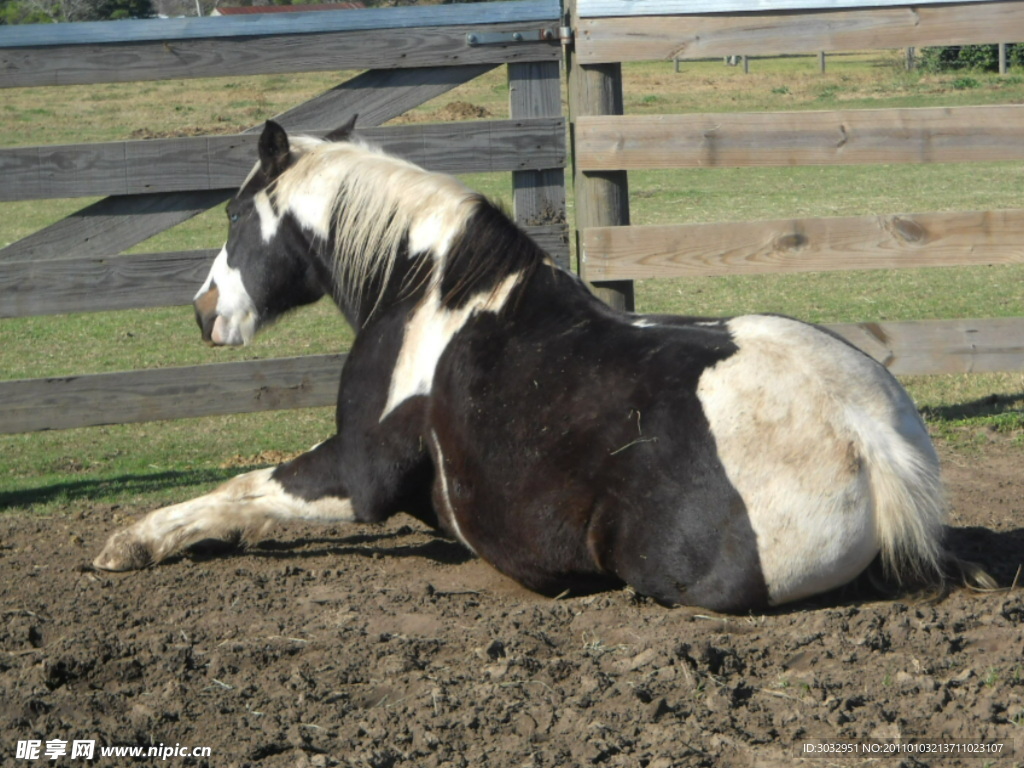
{"x":991,"y":405}
{"x":109,"y":489}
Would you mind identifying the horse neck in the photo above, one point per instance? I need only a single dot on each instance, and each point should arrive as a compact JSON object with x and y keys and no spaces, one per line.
{"x":384,"y":217}
{"x":488,"y":251}
{"x":399,"y":232}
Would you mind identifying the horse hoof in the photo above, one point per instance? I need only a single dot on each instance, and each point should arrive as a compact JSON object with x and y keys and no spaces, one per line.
{"x":123,"y":552}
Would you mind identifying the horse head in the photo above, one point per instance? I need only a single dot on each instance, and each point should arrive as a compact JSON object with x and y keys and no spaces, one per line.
{"x":267,"y":265}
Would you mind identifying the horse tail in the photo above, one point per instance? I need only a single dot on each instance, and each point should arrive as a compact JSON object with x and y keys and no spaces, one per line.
{"x":909,"y":504}
{"x":911,"y":509}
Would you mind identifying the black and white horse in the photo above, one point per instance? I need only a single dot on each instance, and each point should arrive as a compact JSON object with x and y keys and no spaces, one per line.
{"x":729,"y":463}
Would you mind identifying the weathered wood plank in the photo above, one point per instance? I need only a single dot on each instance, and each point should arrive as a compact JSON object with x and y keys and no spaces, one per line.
{"x":644,"y":38}
{"x":604,"y":8}
{"x":107,"y":283}
{"x":488,"y":145}
{"x":117,"y":223}
{"x":346,"y":20}
{"x":805,"y":245}
{"x":941,"y":346}
{"x":539,"y":196}
{"x":53,"y":287}
{"x":170,"y":393}
{"x":839,"y":137}
{"x":111,"y":225}
{"x":179,"y":59}
{"x":377,"y":96}
{"x":221,"y":162}
{"x":600,"y":199}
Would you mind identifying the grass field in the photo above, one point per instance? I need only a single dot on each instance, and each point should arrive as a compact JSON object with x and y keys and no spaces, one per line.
{"x":151,"y":463}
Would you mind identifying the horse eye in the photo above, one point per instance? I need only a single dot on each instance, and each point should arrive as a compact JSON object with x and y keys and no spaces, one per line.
{"x":233,"y":217}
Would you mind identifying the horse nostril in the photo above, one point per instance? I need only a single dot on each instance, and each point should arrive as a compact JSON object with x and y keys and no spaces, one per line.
{"x":206,"y":312}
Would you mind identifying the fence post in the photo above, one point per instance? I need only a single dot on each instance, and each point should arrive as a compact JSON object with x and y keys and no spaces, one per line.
{"x":601,"y":198}
{"x":538,"y":196}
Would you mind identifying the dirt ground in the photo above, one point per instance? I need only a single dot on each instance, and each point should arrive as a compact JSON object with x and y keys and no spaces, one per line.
{"x":380,"y":647}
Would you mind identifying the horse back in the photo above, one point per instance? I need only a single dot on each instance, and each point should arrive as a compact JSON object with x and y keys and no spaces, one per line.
{"x":575,"y":448}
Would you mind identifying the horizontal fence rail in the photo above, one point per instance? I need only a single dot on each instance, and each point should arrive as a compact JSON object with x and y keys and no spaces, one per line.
{"x":941,"y":346}
{"x":276,"y":55}
{"x":835,"y":137}
{"x":606,"y":8}
{"x":102,"y":284}
{"x":223,"y":162}
{"x":769,"y":31}
{"x":67,"y":402}
{"x":133,"y":51}
{"x":264,"y":25}
{"x":978,"y":238}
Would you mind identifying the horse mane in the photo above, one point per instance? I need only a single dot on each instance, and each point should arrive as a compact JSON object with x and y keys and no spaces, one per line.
{"x":381,"y":207}
{"x":474,"y":260}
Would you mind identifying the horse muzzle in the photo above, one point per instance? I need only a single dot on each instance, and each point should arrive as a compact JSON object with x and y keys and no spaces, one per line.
{"x":205,"y":305}
{"x":221,"y":330}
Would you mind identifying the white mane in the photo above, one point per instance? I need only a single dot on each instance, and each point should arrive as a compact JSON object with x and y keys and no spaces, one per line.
{"x":374,"y":203}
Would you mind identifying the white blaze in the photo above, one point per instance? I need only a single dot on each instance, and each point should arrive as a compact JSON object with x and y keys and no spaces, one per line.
{"x":236,"y":314}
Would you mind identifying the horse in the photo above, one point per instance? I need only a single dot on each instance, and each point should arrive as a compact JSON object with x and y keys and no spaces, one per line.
{"x":735,"y":464}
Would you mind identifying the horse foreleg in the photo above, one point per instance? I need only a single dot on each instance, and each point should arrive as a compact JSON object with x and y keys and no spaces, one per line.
{"x":239,"y":511}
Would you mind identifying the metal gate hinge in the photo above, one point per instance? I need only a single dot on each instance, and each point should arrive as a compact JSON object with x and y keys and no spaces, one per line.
{"x":544,"y":35}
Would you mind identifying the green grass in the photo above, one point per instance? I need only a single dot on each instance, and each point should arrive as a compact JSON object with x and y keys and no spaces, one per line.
{"x":148,"y":464}
{"x":144,"y":465}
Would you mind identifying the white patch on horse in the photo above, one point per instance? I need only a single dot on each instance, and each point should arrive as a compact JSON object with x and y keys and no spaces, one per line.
{"x":434,"y":232}
{"x":827,"y":452}
{"x":333,"y":186}
{"x":269,"y":219}
{"x":239,"y":510}
{"x":312,"y":204}
{"x":427,"y":334}
{"x":236,"y":313}
{"x":447,"y":507}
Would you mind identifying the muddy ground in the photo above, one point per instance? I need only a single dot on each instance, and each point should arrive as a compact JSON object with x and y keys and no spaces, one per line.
{"x":380,"y":647}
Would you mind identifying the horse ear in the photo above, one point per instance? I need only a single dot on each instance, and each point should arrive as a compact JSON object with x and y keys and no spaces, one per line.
{"x":342,"y":133}
{"x":274,"y":149}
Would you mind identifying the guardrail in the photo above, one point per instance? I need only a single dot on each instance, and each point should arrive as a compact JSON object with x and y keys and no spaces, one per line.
{"x":607,"y":144}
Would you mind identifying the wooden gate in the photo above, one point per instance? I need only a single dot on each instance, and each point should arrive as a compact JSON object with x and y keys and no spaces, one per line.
{"x":411,"y":56}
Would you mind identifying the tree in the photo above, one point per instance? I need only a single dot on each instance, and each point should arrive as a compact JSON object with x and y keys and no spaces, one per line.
{"x":982,"y":58}
{"x":124,"y":9}
{"x":38,"y":11}
{"x":17,"y":12}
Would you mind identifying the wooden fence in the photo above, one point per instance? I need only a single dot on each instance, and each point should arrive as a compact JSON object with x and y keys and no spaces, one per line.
{"x":607,"y":144}
{"x":410,"y":55}
{"x":415,"y":54}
